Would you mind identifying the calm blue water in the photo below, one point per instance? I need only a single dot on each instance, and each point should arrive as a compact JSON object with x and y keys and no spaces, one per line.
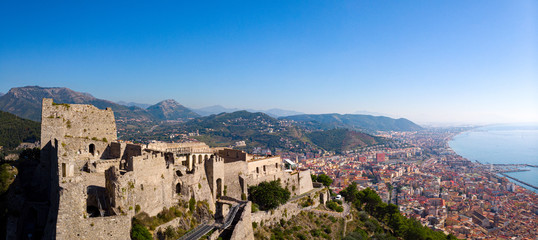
{"x":502,"y":144}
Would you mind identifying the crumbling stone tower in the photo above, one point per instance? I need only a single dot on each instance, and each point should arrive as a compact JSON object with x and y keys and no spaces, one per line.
{"x":80,"y":133}
{"x":74,"y":137}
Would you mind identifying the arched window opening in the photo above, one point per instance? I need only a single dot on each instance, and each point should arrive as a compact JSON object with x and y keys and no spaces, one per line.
{"x":178,"y":188}
{"x":257,"y":170}
{"x":219,"y":187}
{"x":92,"y":149}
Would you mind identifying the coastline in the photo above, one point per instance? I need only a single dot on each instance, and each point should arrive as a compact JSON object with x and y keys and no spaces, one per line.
{"x":512,"y":175}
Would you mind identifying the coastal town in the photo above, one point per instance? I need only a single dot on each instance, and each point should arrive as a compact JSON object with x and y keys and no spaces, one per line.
{"x":431,"y":183}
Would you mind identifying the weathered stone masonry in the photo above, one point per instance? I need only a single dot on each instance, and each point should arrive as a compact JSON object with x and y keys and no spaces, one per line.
{"x":97,"y":182}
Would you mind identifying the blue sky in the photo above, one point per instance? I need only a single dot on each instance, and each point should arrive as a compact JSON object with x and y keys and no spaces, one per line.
{"x":429,"y":61}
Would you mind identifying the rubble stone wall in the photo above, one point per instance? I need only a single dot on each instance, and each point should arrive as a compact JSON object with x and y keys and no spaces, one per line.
{"x":243,"y":229}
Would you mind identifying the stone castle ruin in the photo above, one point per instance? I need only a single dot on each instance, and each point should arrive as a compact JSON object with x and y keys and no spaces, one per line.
{"x":96,"y":181}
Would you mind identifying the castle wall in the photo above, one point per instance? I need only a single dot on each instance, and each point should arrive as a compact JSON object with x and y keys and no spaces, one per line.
{"x":264,"y":167}
{"x":214,"y":171}
{"x":75,"y":223}
{"x":243,"y":229}
{"x":286,"y":211}
{"x":232,"y":155}
{"x":150,"y":185}
{"x":113,"y":227}
{"x":196,"y":185}
{"x":102,"y":165}
{"x":305,"y":182}
{"x":233,"y":179}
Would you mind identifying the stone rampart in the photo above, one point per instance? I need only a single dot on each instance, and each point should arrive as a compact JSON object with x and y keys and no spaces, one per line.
{"x":112,"y":227}
{"x":243,"y":228}
{"x":234,"y":183}
{"x":102,"y":165}
{"x":288,"y":210}
{"x":150,"y":185}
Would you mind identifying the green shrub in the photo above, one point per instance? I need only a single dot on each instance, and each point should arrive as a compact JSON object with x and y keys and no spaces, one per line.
{"x":139,"y":232}
{"x":192,"y":204}
{"x":334,"y":206}
{"x":301,"y":236}
{"x":254,"y":208}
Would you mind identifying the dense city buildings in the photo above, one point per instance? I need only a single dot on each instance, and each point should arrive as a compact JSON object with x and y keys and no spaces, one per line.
{"x":442,"y":190}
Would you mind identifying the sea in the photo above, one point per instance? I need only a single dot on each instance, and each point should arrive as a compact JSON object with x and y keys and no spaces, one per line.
{"x":505,"y":144}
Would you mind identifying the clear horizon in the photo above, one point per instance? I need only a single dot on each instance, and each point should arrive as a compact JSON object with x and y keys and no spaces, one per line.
{"x":444,"y":62}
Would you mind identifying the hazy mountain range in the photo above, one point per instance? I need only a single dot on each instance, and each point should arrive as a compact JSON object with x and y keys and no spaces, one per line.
{"x":133,"y":104}
{"x":25,"y":102}
{"x":217,"y":125}
{"x":216,"y":109}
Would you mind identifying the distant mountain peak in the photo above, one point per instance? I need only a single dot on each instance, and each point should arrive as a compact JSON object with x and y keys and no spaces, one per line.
{"x":171,"y":102}
{"x":170,"y":109}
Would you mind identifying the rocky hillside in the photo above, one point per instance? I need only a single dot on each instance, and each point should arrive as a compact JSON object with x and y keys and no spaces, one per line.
{"x":368,"y":218}
{"x":357,"y":122}
{"x":25,"y":102}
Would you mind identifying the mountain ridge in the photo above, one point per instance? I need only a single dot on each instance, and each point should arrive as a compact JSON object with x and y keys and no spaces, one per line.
{"x":216,"y":109}
{"x":358,"y":122}
{"x":25,"y":102}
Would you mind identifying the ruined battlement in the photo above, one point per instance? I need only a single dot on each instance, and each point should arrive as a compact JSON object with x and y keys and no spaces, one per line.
{"x":76,"y":121}
{"x":180,"y":148}
{"x":98,"y":182}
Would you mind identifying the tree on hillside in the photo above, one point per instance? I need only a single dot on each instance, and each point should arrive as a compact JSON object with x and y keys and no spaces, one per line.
{"x":268,"y":195}
{"x":326,"y":180}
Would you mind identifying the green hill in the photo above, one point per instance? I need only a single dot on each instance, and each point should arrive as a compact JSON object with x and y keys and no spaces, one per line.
{"x":260,"y":130}
{"x":357,"y":122}
{"x":340,"y":140}
{"x":15,"y":130}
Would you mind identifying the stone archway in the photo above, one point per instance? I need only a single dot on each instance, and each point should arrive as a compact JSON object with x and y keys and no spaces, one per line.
{"x":178,"y":188}
{"x":219,"y":187}
{"x":92,"y":149}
